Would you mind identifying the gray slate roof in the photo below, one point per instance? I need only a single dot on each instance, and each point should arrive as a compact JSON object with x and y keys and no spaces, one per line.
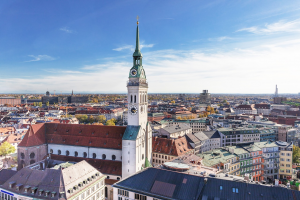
{"x":176,"y":128}
{"x":165,"y":184}
{"x":201,"y":136}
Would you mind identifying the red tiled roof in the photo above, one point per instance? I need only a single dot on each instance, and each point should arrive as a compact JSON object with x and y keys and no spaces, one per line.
{"x":35,"y":136}
{"x":75,"y":134}
{"x":110,"y":181}
{"x":173,"y":147}
{"x":104,"y":166}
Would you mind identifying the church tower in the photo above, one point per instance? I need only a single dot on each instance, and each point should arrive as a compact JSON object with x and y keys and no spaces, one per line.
{"x":137,"y":140}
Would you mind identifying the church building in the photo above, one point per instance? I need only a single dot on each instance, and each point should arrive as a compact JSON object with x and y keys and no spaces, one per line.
{"x":116,"y":151}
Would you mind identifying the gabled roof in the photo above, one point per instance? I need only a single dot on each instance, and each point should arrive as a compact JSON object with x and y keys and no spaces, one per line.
{"x":175,"y":147}
{"x":35,"y":136}
{"x":74,"y":134}
{"x":131,"y":132}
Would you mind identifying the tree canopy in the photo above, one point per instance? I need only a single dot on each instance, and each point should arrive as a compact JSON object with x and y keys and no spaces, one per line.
{"x":296,"y":154}
{"x":6,"y":149}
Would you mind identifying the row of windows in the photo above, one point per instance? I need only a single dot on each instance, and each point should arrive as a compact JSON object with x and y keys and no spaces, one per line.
{"x":84,"y":155}
{"x":287,"y":171}
{"x":287,"y":165}
{"x":143,"y":98}
{"x":31,"y":155}
{"x":282,"y":159}
{"x":287,"y":154}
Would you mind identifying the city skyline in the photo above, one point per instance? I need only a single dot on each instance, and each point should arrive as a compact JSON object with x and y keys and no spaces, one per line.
{"x":192,"y":47}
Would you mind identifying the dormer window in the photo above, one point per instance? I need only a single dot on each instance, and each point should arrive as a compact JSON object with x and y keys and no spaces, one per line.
{"x":47,"y":193}
{"x":19,"y":186}
{"x":62,"y":195}
{"x":41,"y":192}
{"x":33,"y":190}
{"x":26,"y":188}
{"x":53,"y":194}
{"x":12,"y":184}
{"x":80,"y":184}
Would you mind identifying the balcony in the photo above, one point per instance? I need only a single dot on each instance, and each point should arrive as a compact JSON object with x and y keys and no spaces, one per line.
{"x":137,"y":83}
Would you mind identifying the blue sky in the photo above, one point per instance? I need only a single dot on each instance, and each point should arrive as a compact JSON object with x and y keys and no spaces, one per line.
{"x":223,"y":46}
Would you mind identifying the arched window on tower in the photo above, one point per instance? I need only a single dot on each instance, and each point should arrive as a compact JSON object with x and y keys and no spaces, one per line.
{"x":76,"y":154}
{"x":134,"y":98}
{"x":140,"y":98}
{"x":67,"y":153}
{"x":58,"y":152}
{"x":94,"y":156}
{"x":103,"y":156}
{"x":131,"y":99}
{"x":113,"y":157}
{"x":84,"y":154}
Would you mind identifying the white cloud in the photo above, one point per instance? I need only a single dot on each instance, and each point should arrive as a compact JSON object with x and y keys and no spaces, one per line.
{"x":67,"y":30}
{"x":254,"y":69}
{"x":131,"y":47}
{"x":220,"y":39}
{"x":40,"y":58}
{"x":280,"y":26}
{"x":124,"y":47}
{"x":146,"y":46}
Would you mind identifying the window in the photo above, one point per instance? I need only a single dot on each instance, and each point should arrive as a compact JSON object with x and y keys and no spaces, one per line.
{"x":75,"y":153}
{"x":32,"y":155}
{"x":67,"y":153}
{"x":103,"y":156}
{"x":233,"y":190}
{"x":94,"y":156}
{"x":221,"y":187}
{"x":58,"y":152}
{"x":51,"y":150}
{"x":134,"y":98}
{"x":288,"y":171}
{"x":288,"y":165}
{"x":22,"y":155}
{"x":113,"y":157}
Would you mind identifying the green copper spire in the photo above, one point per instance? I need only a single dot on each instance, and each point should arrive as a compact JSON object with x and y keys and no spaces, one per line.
{"x":137,"y":51}
{"x":137,"y":70}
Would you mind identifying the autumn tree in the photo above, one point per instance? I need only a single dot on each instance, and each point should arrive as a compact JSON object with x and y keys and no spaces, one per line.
{"x":6,"y":149}
{"x":296,"y":154}
{"x":91,"y":119}
{"x":111,"y":122}
{"x":100,"y":119}
{"x":47,"y":103}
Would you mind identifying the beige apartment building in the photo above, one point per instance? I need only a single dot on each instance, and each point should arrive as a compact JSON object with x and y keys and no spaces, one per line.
{"x":286,"y":161}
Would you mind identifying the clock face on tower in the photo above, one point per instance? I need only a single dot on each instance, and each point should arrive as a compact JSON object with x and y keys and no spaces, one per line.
{"x":133,"y":72}
{"x":133,"y":110}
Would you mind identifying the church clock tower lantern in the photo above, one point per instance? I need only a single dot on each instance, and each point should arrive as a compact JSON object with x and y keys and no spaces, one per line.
{"x":137,"y":139}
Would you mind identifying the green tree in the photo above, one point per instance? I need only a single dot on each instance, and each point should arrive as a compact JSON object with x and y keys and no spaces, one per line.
{"x":47,"y":103}
{"x":40,"y":104}
{"x":6,"y":149}
{"x":101,"y":119}
{"x":34,"y":103}
{"x":110,"y":122}
{"x":296,"y":154}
